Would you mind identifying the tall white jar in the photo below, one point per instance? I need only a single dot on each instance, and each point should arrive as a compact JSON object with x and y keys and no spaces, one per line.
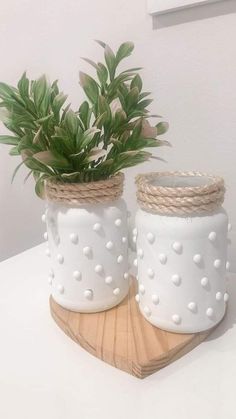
{"x":181,"y":251}
{"x":87,"y":244}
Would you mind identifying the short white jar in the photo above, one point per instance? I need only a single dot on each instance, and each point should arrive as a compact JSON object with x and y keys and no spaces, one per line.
{"x":182,"y":259}
{"x":88,"y":250}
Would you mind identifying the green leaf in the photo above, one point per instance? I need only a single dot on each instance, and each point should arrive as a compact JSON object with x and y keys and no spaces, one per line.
{"x":110,"y":59}
{"x":14,"y":151}
{"x":90,"y":86}
{"x":71,"y":122}
{"x":103,"y":44}
{"x":23,"y":86}
{"x":102,"y":73}
{"x":52,"y":159}
{"x":88,"y":136}
{"x":100,"y":121}
{"x":162,"y":127}
{"x":58,"y":102}
{"x":124,"y":50}
{"x":6,"y":90}
{"x":95,"y":154}
{"x":83,"y":113}
{"x":137,"y":82}
{"x":7,"y":139}
{"x":132,"y":98}
{"x":39,"y":90}
{"x":92,"y":63}
{"x":40,"y":186}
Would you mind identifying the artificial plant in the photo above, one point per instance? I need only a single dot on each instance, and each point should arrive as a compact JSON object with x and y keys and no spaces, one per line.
{"x":106,"y":134}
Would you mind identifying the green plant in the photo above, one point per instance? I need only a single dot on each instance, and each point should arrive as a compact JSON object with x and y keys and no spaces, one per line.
{"x":106,"y":134}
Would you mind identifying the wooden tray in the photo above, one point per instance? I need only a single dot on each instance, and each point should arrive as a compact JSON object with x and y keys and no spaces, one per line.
{"x":123,"y":338}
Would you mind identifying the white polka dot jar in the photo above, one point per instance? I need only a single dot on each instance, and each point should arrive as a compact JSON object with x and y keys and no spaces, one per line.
{"x":87,"y":244}
{"x":181,"y":250}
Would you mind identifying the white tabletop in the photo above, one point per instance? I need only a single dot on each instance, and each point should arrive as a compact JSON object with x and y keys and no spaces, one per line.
{"x":45,"y":375}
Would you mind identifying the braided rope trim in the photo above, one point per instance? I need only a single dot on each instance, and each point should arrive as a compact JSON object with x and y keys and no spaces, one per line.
{"x":180,"y":200}
{"x":78,"y":194}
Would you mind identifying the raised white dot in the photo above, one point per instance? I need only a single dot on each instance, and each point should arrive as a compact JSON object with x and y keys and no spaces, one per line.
{"x":176,"y":319}
{"x":120,"y":259}
{"x":135,"y":231}
{"x":204,"y":281}
{"x":219,"y":296}
{"x":137,"y":298}
{"x":212,"y":236}
{"x":116,"y":291}
{"x":118,"y":222}
{"x":60,"y":258}
{"x":60,"y":288}
{"x":124,"y":239}
{"x":177,"y":247}
{"x":97,"y":227}
{"x":227,"y":266}
{"x":155,"y":299}
{"x":140,"y":253}
{"x":98,"y":268}
{"x":229,"y":227}
{"x":147,"y":311}
{"x":50,"y":280}
{"x":88,"y":294}
{"x":192,"y":306}
{"x":197,"y":259}
{"x":47,"y":251}
{"x":109,"y":245}
{"x":209,"y":312}
{"x":45,"y":235}
{"x":150,"y":273}
{"x":217,"y":263}
{"x":108,"y":279}
{"x":150,"y":237}
{"x":176,"y":279}
{"x":77,"y":275}
{"x":87,"y":251}
{"x":126,"y":275}
{"x":162,"y":258}
{"x":141,"y":289}
{"x":74,"y":238}
{"x":135,"y":263}
{"x":134,"y":239}
{"x":226,"y":297}
{"x":43,"y":218}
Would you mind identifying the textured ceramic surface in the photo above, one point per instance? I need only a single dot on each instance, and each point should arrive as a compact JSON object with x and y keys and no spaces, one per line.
{"x":182,"y":263}
{"x":88,"y":251}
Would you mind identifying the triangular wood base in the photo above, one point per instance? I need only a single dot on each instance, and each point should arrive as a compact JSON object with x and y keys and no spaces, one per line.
{"x":123,"y":338}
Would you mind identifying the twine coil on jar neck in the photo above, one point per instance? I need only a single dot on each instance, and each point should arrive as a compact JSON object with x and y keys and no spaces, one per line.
{"x":79,"y":194}
{"x":179,"y":193}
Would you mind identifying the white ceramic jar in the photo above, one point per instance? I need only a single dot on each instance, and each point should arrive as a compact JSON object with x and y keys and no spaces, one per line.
{"x":181,"y":258}
{"x":87,"y":246}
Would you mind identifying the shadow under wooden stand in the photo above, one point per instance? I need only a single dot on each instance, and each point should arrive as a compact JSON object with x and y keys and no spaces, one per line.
{"x":123,"y":338}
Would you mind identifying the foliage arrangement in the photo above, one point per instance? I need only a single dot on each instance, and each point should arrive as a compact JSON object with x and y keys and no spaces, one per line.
{"x":106,"y":134}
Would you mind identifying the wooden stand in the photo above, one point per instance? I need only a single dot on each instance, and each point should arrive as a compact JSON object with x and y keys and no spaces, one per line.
{"x":123,"y":338}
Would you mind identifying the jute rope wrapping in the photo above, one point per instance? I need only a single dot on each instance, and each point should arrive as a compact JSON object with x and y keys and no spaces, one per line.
{"x":185,"y":200}
{"x":79,"y":194}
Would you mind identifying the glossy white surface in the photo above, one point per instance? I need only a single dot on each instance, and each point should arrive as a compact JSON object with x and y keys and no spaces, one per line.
{"x":184,"y":267}
{"x":85,"y":247}
{"x":44,"y":374}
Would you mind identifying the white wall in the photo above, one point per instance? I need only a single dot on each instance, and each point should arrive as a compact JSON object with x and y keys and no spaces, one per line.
{"x":190,"y":65}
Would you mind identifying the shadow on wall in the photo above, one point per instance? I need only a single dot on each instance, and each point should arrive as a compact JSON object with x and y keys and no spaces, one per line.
{"x":194,"y":13}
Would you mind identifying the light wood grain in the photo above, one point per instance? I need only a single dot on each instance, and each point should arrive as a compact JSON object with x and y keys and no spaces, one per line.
{"x":123,"y":338}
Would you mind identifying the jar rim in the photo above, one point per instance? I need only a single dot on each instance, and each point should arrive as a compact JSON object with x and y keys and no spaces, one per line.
{"x":179,"y":192}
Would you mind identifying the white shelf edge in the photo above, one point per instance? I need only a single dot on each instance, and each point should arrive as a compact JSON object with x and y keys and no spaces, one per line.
{"x":156,"y":7}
